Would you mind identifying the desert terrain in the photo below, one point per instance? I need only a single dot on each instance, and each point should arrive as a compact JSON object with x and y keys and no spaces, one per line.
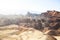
{"x":12,"y":32}
{"x":44,"y":26}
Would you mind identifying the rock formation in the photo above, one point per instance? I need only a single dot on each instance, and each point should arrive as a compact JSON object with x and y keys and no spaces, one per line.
{"x":53,"y":19}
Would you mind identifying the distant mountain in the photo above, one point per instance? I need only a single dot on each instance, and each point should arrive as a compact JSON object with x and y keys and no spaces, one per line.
{"x":32,"y":14}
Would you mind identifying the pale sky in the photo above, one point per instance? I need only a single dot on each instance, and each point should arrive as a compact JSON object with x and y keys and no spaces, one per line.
{"x":23,"y":6}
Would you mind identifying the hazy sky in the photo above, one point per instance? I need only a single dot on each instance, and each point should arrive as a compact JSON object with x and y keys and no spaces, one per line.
{"x":22,"y":6}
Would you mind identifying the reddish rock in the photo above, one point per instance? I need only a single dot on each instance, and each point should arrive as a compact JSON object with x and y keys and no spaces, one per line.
{"x":53,"y":18}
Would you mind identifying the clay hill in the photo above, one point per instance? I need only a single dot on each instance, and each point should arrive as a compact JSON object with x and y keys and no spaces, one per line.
{"x":53,"y":17}
{"x":53,"y":20}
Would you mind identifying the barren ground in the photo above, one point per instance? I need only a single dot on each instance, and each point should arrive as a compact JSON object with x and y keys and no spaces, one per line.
{"x":12,"y":33}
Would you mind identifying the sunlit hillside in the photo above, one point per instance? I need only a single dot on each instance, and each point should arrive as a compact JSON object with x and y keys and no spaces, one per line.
{"x":12,"y":32}
{"x":44,"y":26}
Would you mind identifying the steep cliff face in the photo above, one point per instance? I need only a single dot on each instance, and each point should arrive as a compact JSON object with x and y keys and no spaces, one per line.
{"x":53,"y":18}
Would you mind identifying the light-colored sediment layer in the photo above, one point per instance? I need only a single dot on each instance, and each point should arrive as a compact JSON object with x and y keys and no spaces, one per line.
{"x":23,"y":34}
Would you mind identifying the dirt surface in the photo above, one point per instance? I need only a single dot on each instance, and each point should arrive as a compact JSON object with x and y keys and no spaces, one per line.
{"x":13,"y":33}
